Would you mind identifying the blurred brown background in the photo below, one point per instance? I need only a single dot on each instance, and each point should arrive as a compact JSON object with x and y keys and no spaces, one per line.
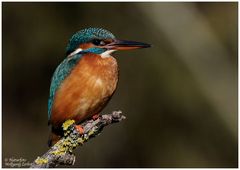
{"x":180,"y":96}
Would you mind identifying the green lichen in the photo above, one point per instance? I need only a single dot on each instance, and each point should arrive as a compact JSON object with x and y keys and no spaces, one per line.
{"x":67,"y":123}
{"x":85,"y":138}
{"x":72,"y":141}
{"x":91,"y":132}
{"x":40,"y":160}
{"x":60,"y":151}
{"x":80,"y":141}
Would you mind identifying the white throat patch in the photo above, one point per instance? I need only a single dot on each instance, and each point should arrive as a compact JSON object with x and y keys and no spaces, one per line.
{"x":75,"y":52}
{"x":107,"y":53}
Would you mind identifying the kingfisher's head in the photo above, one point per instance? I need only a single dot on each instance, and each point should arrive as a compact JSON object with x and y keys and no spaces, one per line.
{"x":99,"y":41}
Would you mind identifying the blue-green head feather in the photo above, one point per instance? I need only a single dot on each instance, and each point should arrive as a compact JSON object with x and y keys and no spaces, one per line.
{"x":88,"y":35}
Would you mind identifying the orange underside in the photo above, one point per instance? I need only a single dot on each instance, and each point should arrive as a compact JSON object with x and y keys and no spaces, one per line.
{"x":86,"y":90}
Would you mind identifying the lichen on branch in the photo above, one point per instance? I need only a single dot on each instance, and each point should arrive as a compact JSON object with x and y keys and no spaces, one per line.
{"x":62,"y":152}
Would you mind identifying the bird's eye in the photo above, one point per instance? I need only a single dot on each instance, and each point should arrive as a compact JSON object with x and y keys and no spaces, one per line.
{"x":98,"y":42}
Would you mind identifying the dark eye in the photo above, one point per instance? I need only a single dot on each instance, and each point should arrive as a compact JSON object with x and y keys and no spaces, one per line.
{"x":98,"y":42}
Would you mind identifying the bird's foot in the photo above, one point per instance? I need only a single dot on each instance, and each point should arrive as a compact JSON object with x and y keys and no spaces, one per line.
{"x":80,"y":129}
{"x":96,"y":116}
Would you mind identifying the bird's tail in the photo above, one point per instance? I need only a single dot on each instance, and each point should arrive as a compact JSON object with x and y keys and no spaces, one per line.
{"x":54,"y":137}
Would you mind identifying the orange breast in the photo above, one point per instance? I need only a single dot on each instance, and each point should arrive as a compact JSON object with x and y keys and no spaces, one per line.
{"x":86,"y":90}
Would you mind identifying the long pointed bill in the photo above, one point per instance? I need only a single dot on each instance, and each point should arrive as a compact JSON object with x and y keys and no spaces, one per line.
{"x":126,"y":45}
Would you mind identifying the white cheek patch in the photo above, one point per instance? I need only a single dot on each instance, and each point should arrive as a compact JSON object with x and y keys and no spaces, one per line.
{"x":75,"y":52}
{"x":107,"y":53}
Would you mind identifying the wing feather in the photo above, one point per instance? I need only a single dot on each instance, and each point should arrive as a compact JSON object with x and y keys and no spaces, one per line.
{"x":61,"y":72}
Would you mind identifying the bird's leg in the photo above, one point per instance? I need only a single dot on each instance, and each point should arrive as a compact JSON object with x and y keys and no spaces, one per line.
{"x":80,"y":129}
{"x":96,"y":116}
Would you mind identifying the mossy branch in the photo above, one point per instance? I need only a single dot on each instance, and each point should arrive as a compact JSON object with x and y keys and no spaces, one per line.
{"x":62,"y":152}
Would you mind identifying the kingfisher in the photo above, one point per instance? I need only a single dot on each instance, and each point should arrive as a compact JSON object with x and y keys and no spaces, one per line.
{"x":84,"y":82}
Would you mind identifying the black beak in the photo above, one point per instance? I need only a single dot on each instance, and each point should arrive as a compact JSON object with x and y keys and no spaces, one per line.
{"x":126,"y":45}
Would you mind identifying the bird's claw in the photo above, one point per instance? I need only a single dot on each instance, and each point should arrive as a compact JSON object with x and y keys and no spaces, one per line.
{"x":80,"y":129}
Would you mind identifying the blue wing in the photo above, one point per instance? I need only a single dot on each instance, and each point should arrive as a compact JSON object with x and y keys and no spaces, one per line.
{"x":61,"y":72}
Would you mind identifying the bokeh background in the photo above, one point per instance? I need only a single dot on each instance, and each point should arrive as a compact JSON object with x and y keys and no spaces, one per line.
{"x":180,"y":96}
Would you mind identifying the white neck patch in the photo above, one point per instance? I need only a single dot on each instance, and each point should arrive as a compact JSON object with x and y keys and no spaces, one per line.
{"x":75,"y":52}
{"x":107,"y":53}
